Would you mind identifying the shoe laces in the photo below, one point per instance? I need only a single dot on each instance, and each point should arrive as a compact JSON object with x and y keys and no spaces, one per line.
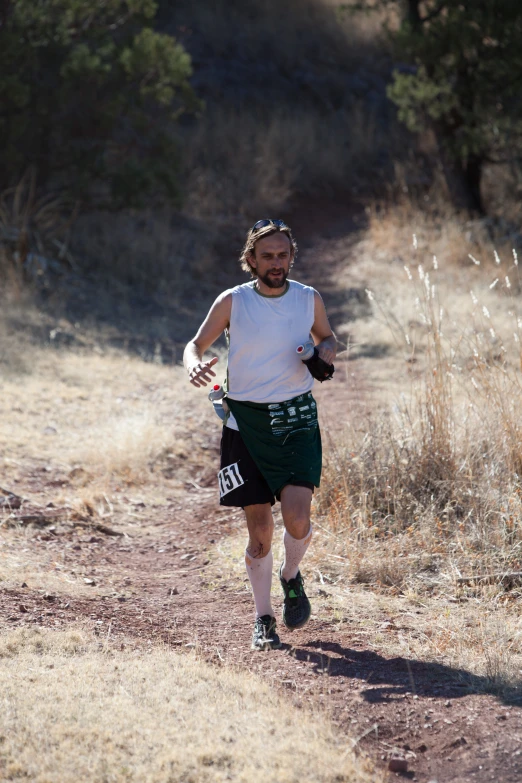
{"x":263,"y":626}
{"x":295,"y":588}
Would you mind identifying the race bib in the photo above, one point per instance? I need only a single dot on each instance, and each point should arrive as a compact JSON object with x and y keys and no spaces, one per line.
{"x":229,"y":478}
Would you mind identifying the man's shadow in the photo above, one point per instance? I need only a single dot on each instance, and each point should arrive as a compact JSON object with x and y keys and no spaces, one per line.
{"x":390,"y":678}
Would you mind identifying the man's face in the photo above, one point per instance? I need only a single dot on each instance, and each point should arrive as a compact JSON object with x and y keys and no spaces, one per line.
{"x":271,"y":259}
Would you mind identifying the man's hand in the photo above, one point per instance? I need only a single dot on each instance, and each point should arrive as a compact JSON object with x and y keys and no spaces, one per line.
{"x":319,"y":369}
{"x":326,"y":353}
{"x":201,"y":374}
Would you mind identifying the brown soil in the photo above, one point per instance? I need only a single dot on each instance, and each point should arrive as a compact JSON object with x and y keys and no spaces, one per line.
{"x":437,"y":719}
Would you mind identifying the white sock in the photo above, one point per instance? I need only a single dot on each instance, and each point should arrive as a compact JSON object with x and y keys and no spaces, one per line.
{"x":295,"y":549}
{"x":259,"y":570}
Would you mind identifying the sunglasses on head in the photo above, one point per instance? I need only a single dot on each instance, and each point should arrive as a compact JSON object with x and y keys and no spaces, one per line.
{"x":268,"y":222}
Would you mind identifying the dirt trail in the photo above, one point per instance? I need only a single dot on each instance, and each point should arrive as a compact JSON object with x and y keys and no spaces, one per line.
{"x":393,"y":707}
{"x":168,"y":584}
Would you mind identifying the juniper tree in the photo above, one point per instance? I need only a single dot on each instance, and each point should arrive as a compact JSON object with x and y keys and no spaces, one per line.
{"x":461,"y":77}
{"x":465,"y":84}
{"x":89,"y":97}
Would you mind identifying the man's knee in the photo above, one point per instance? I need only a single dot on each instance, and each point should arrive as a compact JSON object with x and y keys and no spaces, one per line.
{"x":295,"y":507}
{"x":298,"y":525}
{"x":260,"y":522}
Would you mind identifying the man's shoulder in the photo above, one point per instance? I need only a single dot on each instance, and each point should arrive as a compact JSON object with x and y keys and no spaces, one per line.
{"x":237,"y":289}
{"x":301,"y":287}
{"x":244,"y":289}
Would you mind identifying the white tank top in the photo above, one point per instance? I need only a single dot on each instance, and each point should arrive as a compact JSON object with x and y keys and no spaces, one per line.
{"x":264,"y":332}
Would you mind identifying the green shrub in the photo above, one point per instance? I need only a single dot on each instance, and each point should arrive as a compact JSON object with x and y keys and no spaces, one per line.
{"x":89,"y":97}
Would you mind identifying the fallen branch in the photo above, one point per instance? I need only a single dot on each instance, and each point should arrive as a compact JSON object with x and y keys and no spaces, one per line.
{"x":34,"y":519}
{"x":108,"y":531}
{"x":509,"y":580}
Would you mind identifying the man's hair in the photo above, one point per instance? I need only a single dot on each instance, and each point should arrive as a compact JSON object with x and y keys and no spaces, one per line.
{"x":253,"y":236}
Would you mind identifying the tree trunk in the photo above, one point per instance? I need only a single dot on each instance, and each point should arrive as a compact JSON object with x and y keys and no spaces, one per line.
{"x":5,"y":7}
{"x":463,"y":180}
{"x":414,"y":17}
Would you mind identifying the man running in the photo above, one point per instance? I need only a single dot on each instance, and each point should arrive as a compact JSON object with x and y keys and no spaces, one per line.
{"x":271,"y":443}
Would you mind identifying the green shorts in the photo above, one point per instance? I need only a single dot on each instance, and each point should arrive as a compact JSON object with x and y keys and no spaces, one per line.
{"x":240,"y":481}
{"x":283,"y":439}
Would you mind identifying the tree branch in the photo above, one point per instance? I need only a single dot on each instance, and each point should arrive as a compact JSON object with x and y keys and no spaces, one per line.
{"x":433,"y":14}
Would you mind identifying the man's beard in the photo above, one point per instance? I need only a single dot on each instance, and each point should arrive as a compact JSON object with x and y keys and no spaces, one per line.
{"x":271,"y":283}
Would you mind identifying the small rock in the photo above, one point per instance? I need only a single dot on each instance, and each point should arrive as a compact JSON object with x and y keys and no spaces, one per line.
{"x":24,"y":584}
{"x":398,"y":765}
{"x":89,"y":581}
{"x":23,"y":608}
{"x":49,"y":597}
{"x":11,"y":501}
{"x":458,"y":742}
{"x":173,"y":591}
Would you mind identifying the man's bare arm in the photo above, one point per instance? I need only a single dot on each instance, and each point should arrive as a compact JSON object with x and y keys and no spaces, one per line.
{"x":324,"y":338}
{"x":217,"y":320}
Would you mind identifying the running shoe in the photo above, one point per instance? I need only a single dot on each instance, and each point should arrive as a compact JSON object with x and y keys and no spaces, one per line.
{"x":296,"y":607}
{"x":265,"y":636}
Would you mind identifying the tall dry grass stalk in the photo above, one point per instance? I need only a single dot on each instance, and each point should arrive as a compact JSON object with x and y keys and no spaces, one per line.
{"x":441,"y":468}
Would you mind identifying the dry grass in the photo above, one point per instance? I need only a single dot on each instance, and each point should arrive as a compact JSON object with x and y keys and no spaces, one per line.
{"x":428,"y":488}
{"x":70,"y":710}
{"x":281,"y":152}
{"x":301,"y":30}
{"x":110,"y":415}
{"x":153,"y":249}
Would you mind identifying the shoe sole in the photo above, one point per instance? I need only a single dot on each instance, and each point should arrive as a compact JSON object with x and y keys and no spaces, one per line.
{"x":266,"y":647}
{"x":300,"y":625}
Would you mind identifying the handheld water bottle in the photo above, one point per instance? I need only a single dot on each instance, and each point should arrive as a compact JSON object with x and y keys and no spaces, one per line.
{"x":216,"y":395}
{"x":306,"y":351}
